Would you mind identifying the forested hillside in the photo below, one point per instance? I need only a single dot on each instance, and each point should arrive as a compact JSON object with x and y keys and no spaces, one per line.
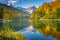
{"x":46,"y":19}
{"x":47,"y":11}
{"x":7,"y":32}
{"x":9,"y":12}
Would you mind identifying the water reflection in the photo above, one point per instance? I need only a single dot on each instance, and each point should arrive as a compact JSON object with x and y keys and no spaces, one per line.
{"x":28,"y":29}
{"x":16,"y":25}
{"x":47,"y":27}
{"x":32,"y":34}
{"x":37,"y":30}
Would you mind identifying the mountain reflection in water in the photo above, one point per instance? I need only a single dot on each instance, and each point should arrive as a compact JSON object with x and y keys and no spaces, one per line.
{"x":38,"y":30}
{"x":32,"y":34}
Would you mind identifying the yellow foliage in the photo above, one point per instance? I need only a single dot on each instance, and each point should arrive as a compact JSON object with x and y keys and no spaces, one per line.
{"x":8,"y":34}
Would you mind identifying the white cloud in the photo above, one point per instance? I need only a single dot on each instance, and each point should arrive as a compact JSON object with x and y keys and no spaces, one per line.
{"x":12,"y":2}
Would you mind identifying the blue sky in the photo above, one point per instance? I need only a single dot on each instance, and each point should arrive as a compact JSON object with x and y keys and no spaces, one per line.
{"x":27,"y":3}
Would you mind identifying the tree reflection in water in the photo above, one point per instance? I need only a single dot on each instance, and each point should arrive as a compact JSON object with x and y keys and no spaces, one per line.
{"x":48,"y":27}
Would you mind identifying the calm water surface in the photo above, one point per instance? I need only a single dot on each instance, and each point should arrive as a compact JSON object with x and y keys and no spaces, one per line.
{"x":30,"y":29}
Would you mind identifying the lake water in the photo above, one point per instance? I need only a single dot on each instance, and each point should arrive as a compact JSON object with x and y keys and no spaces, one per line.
{"x":36,"y":29}
{"x":35,"y":35}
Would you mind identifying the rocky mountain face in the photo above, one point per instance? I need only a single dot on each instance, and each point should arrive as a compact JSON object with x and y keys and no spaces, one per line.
{"x":28,"y":10}
{"x":31,"y":9}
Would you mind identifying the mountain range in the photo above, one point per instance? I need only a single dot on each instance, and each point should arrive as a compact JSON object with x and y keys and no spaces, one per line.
{"x":28,"y":10}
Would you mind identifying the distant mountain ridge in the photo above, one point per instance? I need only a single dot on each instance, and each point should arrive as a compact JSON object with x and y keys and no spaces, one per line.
{"x":28,"y":10}
{"x":31,"y":9}
{"x":14,"y":9}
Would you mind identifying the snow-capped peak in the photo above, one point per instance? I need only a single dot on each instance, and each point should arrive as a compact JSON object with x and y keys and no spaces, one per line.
{"x":31,"y":9}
